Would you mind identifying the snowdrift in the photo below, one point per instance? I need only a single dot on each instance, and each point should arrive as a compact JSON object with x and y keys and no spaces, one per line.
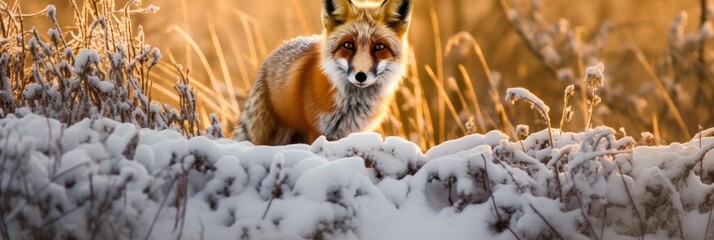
{"x":101,"y":179}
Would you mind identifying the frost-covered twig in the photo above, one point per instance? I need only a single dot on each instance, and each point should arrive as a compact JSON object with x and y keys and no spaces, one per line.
{"x":567,"y":109}
{"x":182,"y":200}
{"x":487,"y":183}
{"x":158,"y":211}
{"x":215,"y":130}
{"x":582,"y":211}
{"x":514,"y":94}
{"x":642,"y":226}
{"x":594,"y":78}
{"x":277,"y":166}
{"x":522,"y":131}
{"x":540,"y":215}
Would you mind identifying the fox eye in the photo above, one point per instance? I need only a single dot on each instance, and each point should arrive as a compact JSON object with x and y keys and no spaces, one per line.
{"x":348,"y":45}
{"x":379,"y":47}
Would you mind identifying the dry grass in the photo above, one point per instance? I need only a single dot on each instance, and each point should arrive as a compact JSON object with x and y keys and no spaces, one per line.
{"x":99,"y":67}
{"x":466,"y":53}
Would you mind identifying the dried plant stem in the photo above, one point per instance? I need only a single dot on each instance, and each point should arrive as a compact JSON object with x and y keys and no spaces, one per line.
{"x":522,"y":146}
{"x":632,"y":202}
{"x":582,"y":211}
{"x":556,"y":174}
{"x":588,"y":124}
{"x":449,"y":185}
{"x":701,"y":163}
{"x":206,"y":64}
{"x":487,"y":183}
{"x":429,"y":120}
{"x":161,"y":206}
{"x":663,"y":92}
{"x":445,"y":97}
{"x":581,"y":72}
{"x":399,"y":127}
{"x":250,"y":26}
{"x":227,"y":80}
{"x":251,"y":43}
{"x":546,"y":221}
{"x":702,"y":61}
{"x":562,"y":118}
{"x":655,"y":129}
{"x":182,"y":199}
{"x":679,"y":222}
{"x":567,"y":113}
{"x":242,"y":68}
{"x":546,"y":117}
{"x":604,"y":217}
{"x":421,"y":128}
{"x":493,"y":90}
{"x":276,"y":193}
{"x":439,"y":68}
{"x":474,"y":97}
{"x":495,"y":96}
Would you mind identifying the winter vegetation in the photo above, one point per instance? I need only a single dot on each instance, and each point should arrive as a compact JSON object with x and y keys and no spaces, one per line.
{"x":100,"y":178}
{"x":103,"y":136}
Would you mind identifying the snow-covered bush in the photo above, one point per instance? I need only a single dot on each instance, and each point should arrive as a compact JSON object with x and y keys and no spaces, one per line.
{"x":102,"y":179}
{"x":100,"y":68}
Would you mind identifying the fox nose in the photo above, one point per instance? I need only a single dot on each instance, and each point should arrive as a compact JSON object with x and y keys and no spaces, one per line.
{"x":361,"y":77}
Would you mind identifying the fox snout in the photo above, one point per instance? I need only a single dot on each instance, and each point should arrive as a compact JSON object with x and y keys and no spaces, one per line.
{"x":362,"y":72}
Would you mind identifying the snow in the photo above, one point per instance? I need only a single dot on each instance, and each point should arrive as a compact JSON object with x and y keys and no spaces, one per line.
{"x":132,"y":183}
{"x":514,"y":94}
{"x":31,"y":90}
{"x":103,"y":86}
{"x":85,"y":58}
{"x":54,"y":34}
{"x":522,"y":130}
{"x":594,"y":76}
{"x":703,"y":133}
{"x":51,"y":11}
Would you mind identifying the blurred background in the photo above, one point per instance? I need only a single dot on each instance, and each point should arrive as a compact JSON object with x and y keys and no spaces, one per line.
{"x":466,"y":53}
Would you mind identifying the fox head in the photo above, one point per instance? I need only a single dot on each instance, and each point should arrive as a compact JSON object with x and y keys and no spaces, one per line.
{"x":365,"y":42}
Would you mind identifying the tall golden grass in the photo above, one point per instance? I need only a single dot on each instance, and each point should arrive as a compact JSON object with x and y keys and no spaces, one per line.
{"x":465,"y":53}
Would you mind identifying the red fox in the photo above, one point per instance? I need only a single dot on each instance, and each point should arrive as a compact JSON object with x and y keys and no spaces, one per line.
{"x":332,"y":84}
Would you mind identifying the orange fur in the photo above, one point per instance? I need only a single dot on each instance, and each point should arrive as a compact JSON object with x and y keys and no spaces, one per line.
{"x":306,"y":94}
{"x":335,"y":84}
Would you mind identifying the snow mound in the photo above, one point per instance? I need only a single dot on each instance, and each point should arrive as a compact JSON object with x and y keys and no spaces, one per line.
{"x":103,"y":179}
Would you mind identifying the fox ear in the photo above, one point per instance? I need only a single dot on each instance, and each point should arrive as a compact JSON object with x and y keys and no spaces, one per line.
{"x":397,"y":14}
{"x":335,"y":13}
